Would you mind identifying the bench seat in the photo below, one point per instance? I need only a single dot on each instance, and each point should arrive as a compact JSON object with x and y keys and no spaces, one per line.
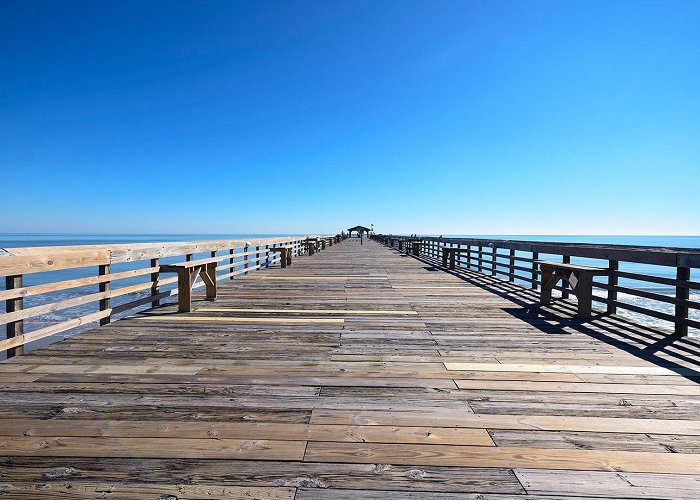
{"x":285,"y":255}
{"x":451,"y":253}
{"x":187,"y":273}
{"x":578,"y":277}
{"x":311,"y":245}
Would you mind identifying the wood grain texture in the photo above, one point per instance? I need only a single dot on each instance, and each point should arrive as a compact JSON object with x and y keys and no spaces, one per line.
{"x":526,"y":457}
{"x":358,"y":372}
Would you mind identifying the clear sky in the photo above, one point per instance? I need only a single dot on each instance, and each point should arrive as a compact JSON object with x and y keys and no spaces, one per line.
{"x":444,"y":117}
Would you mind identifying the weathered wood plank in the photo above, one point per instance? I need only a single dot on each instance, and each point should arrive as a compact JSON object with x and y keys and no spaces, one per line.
{"x":129,"y":490}
{"x":610,"y":484}
{"x":245,"y":430}
{"x":554,"y":423}
{"x":376,"y":477}
{"x":258,"y":383}
{"x":258,"y":449}
{"x":478,"y":456}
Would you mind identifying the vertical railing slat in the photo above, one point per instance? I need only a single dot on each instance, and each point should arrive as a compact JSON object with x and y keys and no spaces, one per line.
{"x":14,"y":328}
{"x":682,"y":293}
{"x":493,"y":260}
{"x":511,"y":265}
{"x":535,"y":256}
{"x":612,"y":286}
{"x":155,"y":276}
{"x":103,"y":270}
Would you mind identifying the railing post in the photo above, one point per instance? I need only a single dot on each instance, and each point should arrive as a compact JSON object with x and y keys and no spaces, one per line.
{"x":257,"y":257}
{"x":535,"y":256}
{"x":493,"y":261}
{"x":14,"y":328}
{"x":682,"y":293}
{"x":612,"y":286}
{"x":245,"y":261}
{"x":481,"y":259}
{"x":232,"y":260}
{"x":154,"y":282}
{"x":104,"y":287}
{"x":511,"y":266}
{"x":566,"y":259}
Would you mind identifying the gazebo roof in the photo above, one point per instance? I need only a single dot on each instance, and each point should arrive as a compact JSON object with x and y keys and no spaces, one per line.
{"x":357,"y":228}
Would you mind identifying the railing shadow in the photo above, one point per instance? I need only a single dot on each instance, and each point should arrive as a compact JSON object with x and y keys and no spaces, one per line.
{"x":642,"y":341}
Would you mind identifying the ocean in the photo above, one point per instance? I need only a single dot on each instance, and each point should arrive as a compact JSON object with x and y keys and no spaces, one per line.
{"x":37,"y":240}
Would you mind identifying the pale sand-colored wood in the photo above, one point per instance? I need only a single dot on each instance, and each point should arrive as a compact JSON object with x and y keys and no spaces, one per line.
{"x":323,"y":278}
{"x":229,"y":319}
{"x":532,"y":422}
{"x":247,"y":430}
{"x":372,"y":312}
{"x":69,"y":446}
{"x":610,"y":484}
{"x":87,"y":368}
{"x":626,"y":370}
{"x":452,"y":287}
{"x":575,"y":387}
{"x":479,"y":456}
{"x":19,"y":377}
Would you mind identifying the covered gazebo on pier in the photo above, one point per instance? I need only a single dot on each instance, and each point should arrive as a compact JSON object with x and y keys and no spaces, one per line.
{"x":360,"y":230}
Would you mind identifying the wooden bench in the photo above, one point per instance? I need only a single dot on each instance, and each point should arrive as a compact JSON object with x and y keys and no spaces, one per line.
{"x":187,"y":273}
{"x":285,"y":255}
{"x":415,"y":247}
{"x":451,"y":253}
{"x":311,"y":245}
{"x":578,"y":277}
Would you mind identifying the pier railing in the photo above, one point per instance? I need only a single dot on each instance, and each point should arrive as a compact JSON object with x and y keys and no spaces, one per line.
{"x":97,"y":283}
{"x":514,"y":261}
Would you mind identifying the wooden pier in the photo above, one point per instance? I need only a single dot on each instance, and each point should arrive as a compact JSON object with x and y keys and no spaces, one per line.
{"x":358,"y":372}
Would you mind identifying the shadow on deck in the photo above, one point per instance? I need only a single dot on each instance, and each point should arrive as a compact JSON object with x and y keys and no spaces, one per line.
{"x":355,"y":373}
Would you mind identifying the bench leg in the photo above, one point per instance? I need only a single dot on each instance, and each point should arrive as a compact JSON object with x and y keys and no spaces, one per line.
{"x":184,"y":291}
{"x":584,"y":294}
{"x":444,"y":258}
{"x":283,"y":259}
{"x":548,"y":282}
{"x":289,"y":257}
{"x":452,"y":260}
{"x":210,"y":281}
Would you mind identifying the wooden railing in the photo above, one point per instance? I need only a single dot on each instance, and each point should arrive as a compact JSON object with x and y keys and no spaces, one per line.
{"x":37,"y":274}
{"x":514,"y":261}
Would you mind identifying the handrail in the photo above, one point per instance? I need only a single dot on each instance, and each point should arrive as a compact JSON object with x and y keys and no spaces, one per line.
{"x":236,"y":257}
{"x":489,"y":256}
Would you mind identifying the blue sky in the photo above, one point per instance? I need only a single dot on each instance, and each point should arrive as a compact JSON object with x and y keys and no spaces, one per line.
{"x":481,"y":117}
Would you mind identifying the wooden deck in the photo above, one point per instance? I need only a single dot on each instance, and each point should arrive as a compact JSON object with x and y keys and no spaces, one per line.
{"x":359,"y":372}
